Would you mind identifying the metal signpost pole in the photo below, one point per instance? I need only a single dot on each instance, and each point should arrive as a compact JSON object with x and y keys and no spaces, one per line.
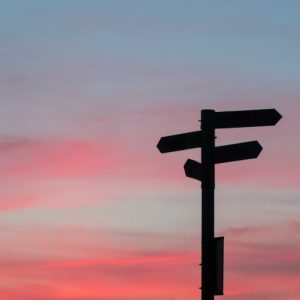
{"x":208,"y":186}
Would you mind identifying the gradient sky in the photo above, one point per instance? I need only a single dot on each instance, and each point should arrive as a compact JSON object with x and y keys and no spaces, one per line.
{"x":90,"y":210}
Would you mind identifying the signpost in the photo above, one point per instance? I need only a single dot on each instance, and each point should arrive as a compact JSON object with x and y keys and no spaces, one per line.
{"x":212,"y":247}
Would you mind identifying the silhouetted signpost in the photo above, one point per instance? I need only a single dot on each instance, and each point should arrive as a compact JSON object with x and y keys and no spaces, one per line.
{"x":213,"y":247}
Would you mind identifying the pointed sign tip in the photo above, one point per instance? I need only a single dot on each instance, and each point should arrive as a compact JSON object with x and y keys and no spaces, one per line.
{"x":259,"y":149}
{"x":279,"y":116}
{"x":276,"y":115}
{"x":186,"y":166}
{"x":188,"y":161}
{"x":159,"y":146}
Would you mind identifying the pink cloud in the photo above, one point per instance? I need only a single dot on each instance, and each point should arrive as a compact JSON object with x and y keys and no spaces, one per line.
{"x":130,"y":153}
{"x":8,"y":203}
{"x":294,"y":226}
{"x":137,"y":276}
{"x":55,"y":158}
{"x":114,"y":162}
{"x":249,"y":230}
{"x":254,"y":268}
{"x":265,"y":262}
{"x":133,"y":260}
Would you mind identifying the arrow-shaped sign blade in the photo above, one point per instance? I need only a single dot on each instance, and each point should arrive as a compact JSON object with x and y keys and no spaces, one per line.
{"x":223,"y":154}
{"x":241,"y":151}
{"x":179,"y":142}
{"x":193,"y":169}
{"x":246,"y":118}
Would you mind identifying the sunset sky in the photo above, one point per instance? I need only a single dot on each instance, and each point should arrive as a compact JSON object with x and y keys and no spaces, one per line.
{"x":90,"y":210}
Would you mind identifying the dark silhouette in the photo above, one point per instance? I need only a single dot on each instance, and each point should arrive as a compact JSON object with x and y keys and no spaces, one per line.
{"x":213,"y":247}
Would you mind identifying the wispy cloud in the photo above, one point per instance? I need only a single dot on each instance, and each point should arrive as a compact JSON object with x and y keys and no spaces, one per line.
{"x":260,"y":266}
{"x":54,"y":158}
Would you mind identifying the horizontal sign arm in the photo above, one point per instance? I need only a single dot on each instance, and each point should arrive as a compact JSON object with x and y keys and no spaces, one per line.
{"x":179,"y":142}
{"x":235,"y":152}
{"x":223,"y":154}
{"x":246,"y":118}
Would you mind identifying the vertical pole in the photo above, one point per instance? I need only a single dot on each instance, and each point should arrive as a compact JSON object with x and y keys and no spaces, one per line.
{"x":208,"y":186}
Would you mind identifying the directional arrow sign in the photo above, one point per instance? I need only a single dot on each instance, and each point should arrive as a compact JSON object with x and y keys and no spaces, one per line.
{"x":241,"y":151}
{"x":193,"y":169}
{"x":246,"y":118}
{"x":235,"y":152}
{"x":179,"y":142}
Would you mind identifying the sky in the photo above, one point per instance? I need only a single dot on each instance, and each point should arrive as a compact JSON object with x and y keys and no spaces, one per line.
{"x":89,"y":208}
